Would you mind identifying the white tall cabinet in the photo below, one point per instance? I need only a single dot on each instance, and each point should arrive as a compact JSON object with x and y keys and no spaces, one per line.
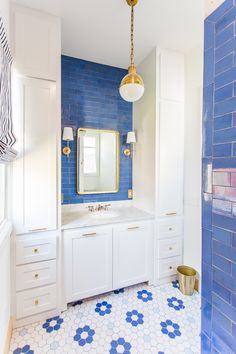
{"x":158,"y":162}
{"x":36,"y":44}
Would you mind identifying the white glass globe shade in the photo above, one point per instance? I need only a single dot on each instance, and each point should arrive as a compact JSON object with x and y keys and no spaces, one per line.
{"x":131,"y":92}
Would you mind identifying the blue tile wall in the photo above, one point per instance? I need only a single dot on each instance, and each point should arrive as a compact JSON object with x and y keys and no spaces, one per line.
{"x":90,"y":99}
{"x":218,"y":331}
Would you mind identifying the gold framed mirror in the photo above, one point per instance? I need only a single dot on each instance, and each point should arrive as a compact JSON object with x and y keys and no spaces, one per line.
{"x":98,"y":161}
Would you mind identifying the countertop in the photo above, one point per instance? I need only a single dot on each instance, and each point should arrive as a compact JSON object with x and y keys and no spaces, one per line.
{"x":84,"y":218}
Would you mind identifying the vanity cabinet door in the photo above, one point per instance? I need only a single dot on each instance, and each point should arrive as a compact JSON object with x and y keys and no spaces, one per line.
{"x":88,"y":262}
{"x":132,"y":254}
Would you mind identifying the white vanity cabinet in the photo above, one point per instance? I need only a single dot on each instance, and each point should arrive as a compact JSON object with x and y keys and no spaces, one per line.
{"x":88,"y":262}
{"x":103,"y":258}
{"x":132,"y":254}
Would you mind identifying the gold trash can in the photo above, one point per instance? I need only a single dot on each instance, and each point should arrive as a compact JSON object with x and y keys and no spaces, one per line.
{"x":187,"y":277}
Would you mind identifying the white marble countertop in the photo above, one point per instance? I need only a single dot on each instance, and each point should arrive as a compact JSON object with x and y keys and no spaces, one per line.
{"x":84,"y":218}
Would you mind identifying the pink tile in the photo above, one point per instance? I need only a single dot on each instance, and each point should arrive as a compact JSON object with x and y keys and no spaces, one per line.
{"x":221,"y":178}
{"x":233,"y":179}
{"x":224,"y":193}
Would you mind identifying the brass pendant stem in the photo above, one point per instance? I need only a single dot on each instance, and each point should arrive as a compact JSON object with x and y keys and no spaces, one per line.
{"x":132,"y":36}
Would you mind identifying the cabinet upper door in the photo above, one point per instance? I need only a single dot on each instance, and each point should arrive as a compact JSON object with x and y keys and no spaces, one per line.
{"x":171,"y":159}
{"x":132,"y":251}
{"x":36,"y":43}
{"x":35,"y":170}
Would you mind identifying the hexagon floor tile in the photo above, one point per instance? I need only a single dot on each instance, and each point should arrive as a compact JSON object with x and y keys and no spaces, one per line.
{"x":137,"y":320}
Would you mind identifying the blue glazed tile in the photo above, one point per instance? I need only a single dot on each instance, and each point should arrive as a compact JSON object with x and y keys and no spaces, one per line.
{"x":224,"y":136}
{"x":207,"y":211}
{"x":224,"y":93}
{"x":208,"y":67}
{"x":225,"y":107}
{"x":206,"y":317}
{"x":220,"y":11}
{"x":225,"y":35}
{"x":224,"y":307}
{"x":234,"y":149}
{"x":223,"y":122}
{"x":228,"y":18}
{"x":222,"y":150}
{"x":224,"y":251}
{"x":205,"y":344}
{"x":221,"y":235}
{"x":206,"y":246}
{"x":224,"y":222}
{"x":220,"y":345}
{"x":225,"y":49}
{"x":219,"y":163}
{"x":206,"y":282}
{"x":226,"y":338}
{"x":224,"y":64}
{"x":221,"y":263}
{"x":209,"y":38}
{"x":222,"y":292}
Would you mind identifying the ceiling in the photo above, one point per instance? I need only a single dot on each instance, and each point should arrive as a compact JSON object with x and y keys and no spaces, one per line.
{"x":98,"y":30}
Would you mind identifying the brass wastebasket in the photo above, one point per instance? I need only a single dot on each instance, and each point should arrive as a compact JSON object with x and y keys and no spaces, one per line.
{"x":187,"y":278}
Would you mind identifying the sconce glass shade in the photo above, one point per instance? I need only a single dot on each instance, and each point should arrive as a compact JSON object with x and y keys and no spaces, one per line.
{"x":132,"y":86}
{"x":131,"y":138}
{"x":68,"y":134}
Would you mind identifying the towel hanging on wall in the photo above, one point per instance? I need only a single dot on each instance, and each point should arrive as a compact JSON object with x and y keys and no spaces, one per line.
{"x":7,"y":139}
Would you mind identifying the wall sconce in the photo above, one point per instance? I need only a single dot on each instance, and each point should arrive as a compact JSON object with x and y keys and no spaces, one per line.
{"x":131,"y":139}
{"x":67,"y":136}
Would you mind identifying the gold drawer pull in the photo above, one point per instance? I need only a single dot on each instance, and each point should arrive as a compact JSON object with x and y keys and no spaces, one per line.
{"x":170,"y":268}
{"x":36,"y":250}
{"x":90,"y":234}
{"x":36,"y":302}
{"x":133,"y":228}
{"x":36,"y":276}
{"x":38,"y":230}
{"x":173,"y":213}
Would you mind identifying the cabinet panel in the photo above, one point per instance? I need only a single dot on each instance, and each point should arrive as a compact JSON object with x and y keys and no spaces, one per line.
{"x":36,"y":43}
{"x":88,"y":262}
{"x":132,"y":259}
{"x":170,"y":190}
{"x":169,"y":248}
{"x":35,"y":170}
{"x":172,"y":75}
{"x":169,"y":227}
{"x":32,"y":302}
{"x":167,"y":267}
{"x":34,"y":275}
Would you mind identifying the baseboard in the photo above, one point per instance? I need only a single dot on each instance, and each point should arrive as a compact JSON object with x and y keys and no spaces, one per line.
{"x":8,"y":337}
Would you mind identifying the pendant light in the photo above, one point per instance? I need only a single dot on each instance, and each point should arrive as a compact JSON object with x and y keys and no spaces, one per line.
{"x":132,"y":85}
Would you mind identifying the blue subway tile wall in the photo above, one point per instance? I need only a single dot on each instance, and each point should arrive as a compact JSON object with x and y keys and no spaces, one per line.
{"x":91,"y":99}
{"x":219,"y":183}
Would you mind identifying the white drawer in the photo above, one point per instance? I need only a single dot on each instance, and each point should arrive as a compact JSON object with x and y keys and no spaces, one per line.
{"x":167,"y":267}
{"x":169,"y":227}
{"x":34,"y":248}
{"x":169,"y":247}
{"x":88,"y":232}
{"x":36,"y":274}
{"x":32,"y":302}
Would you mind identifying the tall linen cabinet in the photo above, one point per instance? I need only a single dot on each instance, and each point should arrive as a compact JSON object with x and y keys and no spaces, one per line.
{"x":36,"y":43}
{"x":158,"y":162}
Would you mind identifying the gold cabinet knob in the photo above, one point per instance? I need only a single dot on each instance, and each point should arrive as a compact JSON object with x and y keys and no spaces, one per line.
{"x":170,"y":248}
{"x":36,"y":302}
{"x":36,"y":276}
{"x":170,"y":228}
{"x":170,"y":267}
{"x":36,"y":250}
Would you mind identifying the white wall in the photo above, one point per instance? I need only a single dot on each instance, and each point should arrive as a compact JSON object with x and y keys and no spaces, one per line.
{"x":211,"y":5}
{"x":5,"y":294}
{"x":192,"y":179}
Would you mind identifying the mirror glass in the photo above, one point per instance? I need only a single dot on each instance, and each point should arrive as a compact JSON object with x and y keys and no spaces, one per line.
{"x":98,"y":161}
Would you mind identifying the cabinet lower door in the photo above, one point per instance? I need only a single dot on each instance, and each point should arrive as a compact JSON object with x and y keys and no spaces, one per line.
{"x":88,"y":260}
{"x":132,"y":256}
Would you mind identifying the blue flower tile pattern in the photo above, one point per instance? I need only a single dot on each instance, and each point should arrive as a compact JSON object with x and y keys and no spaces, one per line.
{"x":26,"y":349}
{"x":84,"y":335}
{"x":103,"y":308}
{"x":175,"y":303}
{"x":144,"y":295}
{"x":133,"y":326}
{"x":53,"y":324}
{"x":175,"y":284}
{"x":119,"y":291}
{"x":171,"y":329}
{"x":120,"y":346}
{"x":134,"y":318}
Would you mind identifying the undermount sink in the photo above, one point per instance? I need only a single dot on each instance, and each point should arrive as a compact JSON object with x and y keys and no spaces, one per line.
{"x":104,"y":214}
